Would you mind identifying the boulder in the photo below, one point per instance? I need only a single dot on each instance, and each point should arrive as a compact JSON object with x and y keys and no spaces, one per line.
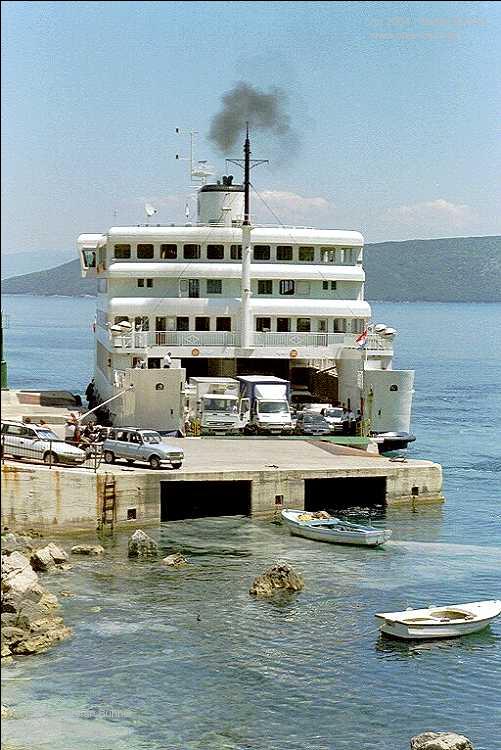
{"x":176,"y":561}
{"x":7,"y":712}
{"x":18,"y":576}
{"x":15,"y":542}
{"x":440,"y":741}
{"x":87,"y":549}
{"x":142,"y":545}
{"x":279,"y":576}
{"x":48,"y":557}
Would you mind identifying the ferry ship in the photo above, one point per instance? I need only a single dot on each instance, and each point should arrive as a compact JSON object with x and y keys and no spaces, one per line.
{"x":223,"y":297}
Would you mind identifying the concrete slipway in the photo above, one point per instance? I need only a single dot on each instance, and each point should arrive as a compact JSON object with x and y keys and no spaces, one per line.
{"x":219,"y":477}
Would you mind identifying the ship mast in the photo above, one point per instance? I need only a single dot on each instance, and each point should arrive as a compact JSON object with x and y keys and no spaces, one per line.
{"x":245,"y":288}
{"x":245,"y":294}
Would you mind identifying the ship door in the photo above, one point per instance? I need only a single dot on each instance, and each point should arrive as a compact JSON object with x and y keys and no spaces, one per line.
{"x":160,"y":328}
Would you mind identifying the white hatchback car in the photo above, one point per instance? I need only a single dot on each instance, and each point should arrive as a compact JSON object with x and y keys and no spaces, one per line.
{"x":27,"y":440}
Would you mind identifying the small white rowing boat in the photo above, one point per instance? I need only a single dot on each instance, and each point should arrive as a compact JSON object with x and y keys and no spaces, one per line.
{"x":440,"y":622}
{"x":322,"y":527}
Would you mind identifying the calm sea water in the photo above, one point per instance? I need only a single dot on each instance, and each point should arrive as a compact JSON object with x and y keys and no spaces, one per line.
{"x":187,"y":660}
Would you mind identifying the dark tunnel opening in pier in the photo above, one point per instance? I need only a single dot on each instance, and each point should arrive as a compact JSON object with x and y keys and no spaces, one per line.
{"x":192,"y":499}
{"x":339,"y":493}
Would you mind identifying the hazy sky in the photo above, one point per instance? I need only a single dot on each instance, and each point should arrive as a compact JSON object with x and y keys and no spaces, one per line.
{"x":395,"y":105}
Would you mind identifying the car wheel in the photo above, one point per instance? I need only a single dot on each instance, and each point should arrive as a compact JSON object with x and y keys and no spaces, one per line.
{"x":176,"y":466}
{"x":50,"y":458}
{"x":109,"y":457}
{"x":154,"y":462}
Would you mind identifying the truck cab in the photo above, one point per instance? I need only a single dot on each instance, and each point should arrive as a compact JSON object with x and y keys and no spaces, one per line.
{"x":265,"y":405}
{"x":213,"y":404}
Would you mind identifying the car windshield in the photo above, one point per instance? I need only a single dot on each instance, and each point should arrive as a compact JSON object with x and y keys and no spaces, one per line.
{"x":220,"y":404}
{"x":334,"y":413}
{"x":47,"y":435}
{"x":151,"y":437}
{"x":314,"y":419}
{"x":273,"y":407}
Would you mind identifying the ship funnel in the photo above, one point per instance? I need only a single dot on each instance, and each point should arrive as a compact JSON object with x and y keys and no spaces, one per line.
{"x":222,"y":203}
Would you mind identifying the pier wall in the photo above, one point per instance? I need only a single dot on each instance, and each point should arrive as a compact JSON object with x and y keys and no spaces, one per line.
{"x":72,"y":499}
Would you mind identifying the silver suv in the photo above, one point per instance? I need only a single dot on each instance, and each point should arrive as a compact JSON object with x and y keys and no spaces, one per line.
{"x":28,"y":440}
{"x":140,"y":445}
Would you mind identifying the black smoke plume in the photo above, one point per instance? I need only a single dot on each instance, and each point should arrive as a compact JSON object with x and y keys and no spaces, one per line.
{"x":263,"y":110}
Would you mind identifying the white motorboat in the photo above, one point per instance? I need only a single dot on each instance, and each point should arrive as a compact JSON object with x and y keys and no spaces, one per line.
{"x":322,"y":527}
{"x":440,"y":622}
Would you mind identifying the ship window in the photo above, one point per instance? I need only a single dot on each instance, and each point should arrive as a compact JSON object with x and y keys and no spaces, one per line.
{"x":303,"y":325}
{"x":144,"y":252}
{"x":236,"y":252}
{"x":191,"y":252}
{"x":307,"y":254}
{"x":149,"y":283}
{"x":333,"y":285}
{"x":284,"y":252}
{"x":263,"y":325}
{"x":140,"y":282}
{"x":142,"y":323}
{"x":322,"y":325}
{"x":168,"y":252}
{"x":262,"y":252}
{"x":303,"y":288}
{"x":223,"y":324}
{"x":182,"y":324}
{"x":202,"y":324}
{"x":189,"y":287}
{"x":122,"y":251}
{"x":89,"y":258}
{"x":121,"y":319}
{"x":214,"y":286}
{"x":394,"y":387}
{"x":283,"y":325}
{"x":328,"y":254}
{"x":325,"y":285}
{"x":287,"y":286}
{"x":265,"y":286}
{"x":339,"y":325}
{"x":215,"y":252}
{"x":348,"y":255}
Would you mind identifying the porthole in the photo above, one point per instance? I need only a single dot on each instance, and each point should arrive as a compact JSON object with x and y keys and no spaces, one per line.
{"x":159,"y":387}
{"x":394,"y":387}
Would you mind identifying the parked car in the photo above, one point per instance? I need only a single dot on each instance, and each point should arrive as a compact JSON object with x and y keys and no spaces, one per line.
{"x":334,"y":416}
{"x":135,"y":444}
{"x":28,"y":440}
{"x":312,"y":424}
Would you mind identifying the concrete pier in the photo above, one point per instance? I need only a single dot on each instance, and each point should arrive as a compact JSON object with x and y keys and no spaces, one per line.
{"x":252,"y":476}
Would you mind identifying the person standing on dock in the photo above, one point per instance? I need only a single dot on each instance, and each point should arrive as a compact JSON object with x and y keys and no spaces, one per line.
{"x":167,"y":361}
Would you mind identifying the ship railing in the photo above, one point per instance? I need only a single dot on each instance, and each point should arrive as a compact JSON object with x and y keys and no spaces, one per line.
{"x":148,"y":339}
{"x":375,"y":342}
{"x":302,"y":339}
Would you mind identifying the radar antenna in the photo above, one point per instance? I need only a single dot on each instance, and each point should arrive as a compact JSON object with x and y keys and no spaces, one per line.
{"x":200,"y":170}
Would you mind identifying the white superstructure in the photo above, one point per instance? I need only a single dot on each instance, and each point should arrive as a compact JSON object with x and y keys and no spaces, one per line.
{"x":293,"y":306}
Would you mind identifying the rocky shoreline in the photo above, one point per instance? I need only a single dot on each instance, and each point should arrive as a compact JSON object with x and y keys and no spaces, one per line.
{"x":30,"y":620}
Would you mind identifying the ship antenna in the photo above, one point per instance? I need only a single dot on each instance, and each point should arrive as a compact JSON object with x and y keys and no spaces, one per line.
{"x":247,"y":153}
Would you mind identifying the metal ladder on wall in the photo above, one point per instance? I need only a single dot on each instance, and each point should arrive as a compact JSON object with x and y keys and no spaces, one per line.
{"x":108,"y":511}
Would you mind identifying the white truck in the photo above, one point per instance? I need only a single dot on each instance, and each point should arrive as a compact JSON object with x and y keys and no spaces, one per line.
{"x":213,"y":405}
{"x":265,"y":405}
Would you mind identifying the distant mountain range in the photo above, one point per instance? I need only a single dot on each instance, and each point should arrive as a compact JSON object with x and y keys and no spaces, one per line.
{"x":460,"y":269}
{"x":15,"y":264}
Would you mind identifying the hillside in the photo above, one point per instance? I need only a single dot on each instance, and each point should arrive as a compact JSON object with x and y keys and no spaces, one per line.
{"x":63,"y":280}
{"x":461,"y":269}
{"x":16,"y":264}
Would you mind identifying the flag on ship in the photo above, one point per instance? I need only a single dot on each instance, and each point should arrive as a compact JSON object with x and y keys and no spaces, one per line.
{"x":361,"y":340}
